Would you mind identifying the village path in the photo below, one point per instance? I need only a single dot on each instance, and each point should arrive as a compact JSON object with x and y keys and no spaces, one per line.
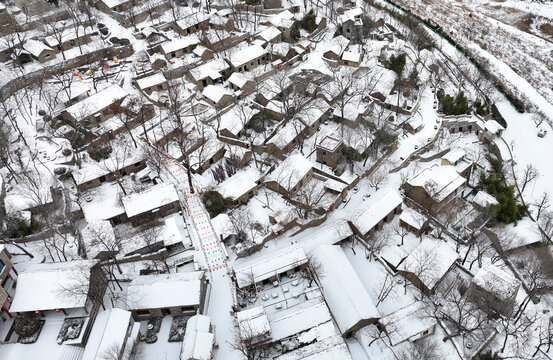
{"x":222,"y":295}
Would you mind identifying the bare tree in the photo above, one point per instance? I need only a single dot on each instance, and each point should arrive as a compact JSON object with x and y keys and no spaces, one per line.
{"x":87,"y":282}
{"x":115,"y":351}
{"x":401,"y":232}
{"x":529,"y":174}
{"x":377,"y":178}
{"x":542,"y":204}
{"x":423,"y":349}
{"x":314,"y":271}
{"x":308,"y":197}
{"x":247,"y":343}
{"x":377,"y":241}
{"x":386,"y":288}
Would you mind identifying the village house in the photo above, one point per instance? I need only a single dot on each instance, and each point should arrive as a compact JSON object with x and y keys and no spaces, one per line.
{"x":149,"y":84}
{"x":211,"y":151}
{"x":413,"y":221}
{"x":381,"y":207}
{"x":482,"y":200}
{"x":290,"y":175}
{"x":223,"y":227}
{"x":338,"y":45}
{"x":172,"y":294}
{"x":242,"y":186}
{"x":352,"y":24}
{"x":346,"y":296}
{"x":428,"y":264}
{"x":270,"y":35}
{"x":241,"y":84}
{"x":253,"y":325}
{"x":203,"y":53}
{"x":329,"y":151}
{"x":269,"y":269}
{"x":179,"y":47}
{"x":222,"y":40}
{"x":219,"y":22}
{"x":434,"y":187}
{"x":248,"y":58}
{"x":153,"y":36}
{"x":70,"y":38}
{"x":494,"y":290}
{"x":217,"y":96}
{"x":119,"y":336}
{"x":283,"y":21}
{"x":94,"y":175}
{"x":192,"y":23}
{"x":408,"y":324}
{"x":212,"y":72}
{"x":331,"y":347}
{"x":8,"y":282}
{"x":110,"y":6}
{"x":199,"y":339}
{"x":39,"y":51}
{"x":352,"y":58}
{"x":39,"y":287}
{"x":96,"y":108}
{"x":155,"y":202}
{"x":456,"y":158}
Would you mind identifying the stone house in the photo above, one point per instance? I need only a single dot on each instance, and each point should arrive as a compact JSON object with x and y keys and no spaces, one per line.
{"x":179,"y":47}
{"x":329,"y":151}
{"x":494,"y":290}
{"x":155,"y":202}
{"x":39,"y":51}
{"x":248,"y":58}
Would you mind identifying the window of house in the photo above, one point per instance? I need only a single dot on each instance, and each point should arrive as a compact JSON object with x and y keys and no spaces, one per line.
{"x":102,"y":178}
{"x":1,"y":265}
{"x":258,"y":61}
{"x":137,"y":164}
{"x":324,"y":152}
{"x":142,"y":312}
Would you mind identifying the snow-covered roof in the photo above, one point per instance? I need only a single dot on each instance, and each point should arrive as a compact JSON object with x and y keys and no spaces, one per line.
{"x":525,"y":233}
{"x":338,"y":45}
{"x":483,"y":199}
{"x":262,"y":269}
{"x":217,"y":19}
{"x":330,"y":143}
{"x":240,"y":183}
{"x":289,"y":173}
{"x":269,"y":33}
{"x":165,"y":291}
{"x":253,"y":322}
{"x":200,"y":50}
{"x":35,"y":47}
{"x":41,"y":286}
{"x":150,"y":199}
{"x":211,"y":69}
{"x":97,"y":102}
{"x":330,"y":348}
{"x":153,"y":80}
{"x":215,"y":93}
{"x":281,"y":19}
{"x":351,"y":56}
{"x":439,"y":181}
{"x":180,"y":44}
{"x":376,"y":208}
{"x":493,"y":127}
{"x":429,"y":261}
{"x":407,"y":322}
{"x":412,"y":218}
{"x":497,"y":282}
{"x":238,"y":79}
{"x":246,"y":55}
{"x":198,"y":340}
{"x":392,"y":254}
{"x":113,"y":3}
{"x":344,"y":293}
{"x":223,"y":225}
{"x":67,"y":34}
{"x":454,"y":155}
{"x":115,"y":332}
{"x":192,"y":20}
{"x":293,"y":321}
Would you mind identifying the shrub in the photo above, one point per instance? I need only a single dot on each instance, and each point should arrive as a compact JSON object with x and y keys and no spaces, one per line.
{"x":507,"y":211}
{"x":309,"y":21}
{"x":351,"y":155}
{"x":488,"y":356}
{"x":396,"y":63}
{"x":295,"y":31}
{"x":260,"y":121}
{"x":215,"y":203}
{"x":455,"y":106}
{"x":99,"y":152}
{"x":25,"y":325}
